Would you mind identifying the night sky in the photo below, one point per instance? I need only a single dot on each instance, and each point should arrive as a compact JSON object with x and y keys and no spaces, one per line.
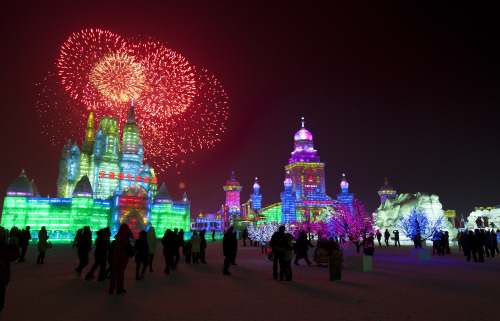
{"x":407,"y":91}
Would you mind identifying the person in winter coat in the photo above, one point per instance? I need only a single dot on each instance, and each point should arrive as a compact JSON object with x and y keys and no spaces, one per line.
{"x":151,"y":246}
{"x":379,"y":237}
{"x":229,"y":244}
{"x":277,"y":244}
{"x":396,"y":238}
{"x":387,"y":235}
{"x":302,"y":246}
{"x":42,"y":245}
{"x":169,"y":242}
{"x":100,"y":254}
{"x":195,"y":246}
{"x":287,"y":261}
{"x":203,"y":246}
{"x":119,"y":259}
{"x":141,"y":254}
{"x":24,"y":241}
{"x":8,"y":253}
{"x":84,"y":245}
{"x":369,"y":245}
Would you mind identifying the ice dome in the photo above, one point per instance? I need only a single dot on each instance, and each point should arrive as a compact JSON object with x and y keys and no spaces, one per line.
{"x":256,"y":185}
{"x":21,"y":186}
{"x":232,"y":180}
{"x":387,"y":187}
{"x":344,"y":183}
{"x":303,"y":134}
{"x":83,"y":188}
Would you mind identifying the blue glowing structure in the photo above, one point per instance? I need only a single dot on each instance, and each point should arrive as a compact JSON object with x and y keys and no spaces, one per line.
{"x":417,"y":226}
{"x":288,"y":210}
{"x":256,"y":197}
{"x":345,"y":197}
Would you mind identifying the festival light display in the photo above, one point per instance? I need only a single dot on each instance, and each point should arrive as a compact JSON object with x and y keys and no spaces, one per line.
{"x":350,"y":224}
{"x":232,"y":189}
{"x":181,"y":108}
{"x":105,"y":185}
{"x":386,"y":191}
{"x":418,"y":227}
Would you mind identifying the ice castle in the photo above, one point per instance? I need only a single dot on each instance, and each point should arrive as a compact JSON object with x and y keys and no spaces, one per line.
{"x":105,"y":183}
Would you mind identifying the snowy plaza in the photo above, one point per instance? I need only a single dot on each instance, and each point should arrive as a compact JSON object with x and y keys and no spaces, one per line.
{"x":398,"y":288}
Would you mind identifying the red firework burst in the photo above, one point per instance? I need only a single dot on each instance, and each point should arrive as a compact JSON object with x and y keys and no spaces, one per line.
{"x":179,"y":109}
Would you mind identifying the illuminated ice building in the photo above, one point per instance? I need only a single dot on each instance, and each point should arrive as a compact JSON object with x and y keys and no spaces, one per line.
{"x":304,"y":185}
{"x":105,"y":183}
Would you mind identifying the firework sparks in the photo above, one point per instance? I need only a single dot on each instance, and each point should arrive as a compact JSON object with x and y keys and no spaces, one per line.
{"x":181,"y":109}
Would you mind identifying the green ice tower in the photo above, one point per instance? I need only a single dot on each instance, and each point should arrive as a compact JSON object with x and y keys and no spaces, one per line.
{"x":132,"y":152}
{"x":106,"y":158}
{"x":87,"y":148}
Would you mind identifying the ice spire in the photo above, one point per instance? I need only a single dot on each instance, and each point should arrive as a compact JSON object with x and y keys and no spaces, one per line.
{"x":131,"y":117}
{"x":302,"y":122}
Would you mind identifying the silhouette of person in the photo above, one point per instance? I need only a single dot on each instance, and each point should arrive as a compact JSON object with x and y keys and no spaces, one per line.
{"x":169,"y":242}
{"x":278,"y":247}
{"x":8,"y":253}
{"x":302,"y":245}
{"x":229,"y":244}
{"x":100,"y":254}
{"x":151,"y":246}
{"x":396,"y":238}
{"x":141,"y":254}
{"x":119,"y":259}
{"x":42,"y":245}
{"x":84,"y":245}
{"x":203,"y":246}
{"x":24,"y":241}
{"x":387,"y":235}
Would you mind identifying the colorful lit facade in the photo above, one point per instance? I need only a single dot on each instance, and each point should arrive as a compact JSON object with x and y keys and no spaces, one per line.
{"x":256,"y":196}
{"x":386,"y":191}
{"x":104,"y":184}
{"x":232,"y":208}
{"x":304,"y":184}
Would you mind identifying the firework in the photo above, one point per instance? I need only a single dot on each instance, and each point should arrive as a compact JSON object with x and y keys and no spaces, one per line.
{"x":180,"y":109}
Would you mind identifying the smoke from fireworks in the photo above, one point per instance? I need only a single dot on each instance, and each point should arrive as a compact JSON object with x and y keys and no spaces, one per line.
{"x":180,"y":108}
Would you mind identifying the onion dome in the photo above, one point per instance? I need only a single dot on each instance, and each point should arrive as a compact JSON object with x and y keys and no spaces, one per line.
{"x":83,"y":188}
{"x":387,"y":188}
{"x":21,"y":186}
{"x":162,"y":196}
{"x":303,"y":134}
{"x":232,"y":180}
{"x":344,"y":183}
{"x":256,"y":185}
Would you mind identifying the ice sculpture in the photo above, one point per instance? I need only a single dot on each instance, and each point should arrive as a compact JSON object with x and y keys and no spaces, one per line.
{"x":389,"y":211}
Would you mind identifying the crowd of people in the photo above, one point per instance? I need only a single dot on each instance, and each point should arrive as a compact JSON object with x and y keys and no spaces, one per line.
{"x":111,"y":256}
{"x":478,"y":243}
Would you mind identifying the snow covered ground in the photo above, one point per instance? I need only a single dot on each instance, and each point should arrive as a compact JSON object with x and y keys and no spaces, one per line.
{"x":398,"y":288}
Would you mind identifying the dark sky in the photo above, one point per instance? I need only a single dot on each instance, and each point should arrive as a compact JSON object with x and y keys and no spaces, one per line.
{"x":408,"y":90}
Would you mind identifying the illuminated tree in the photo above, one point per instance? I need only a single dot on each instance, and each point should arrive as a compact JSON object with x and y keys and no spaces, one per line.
{"x":417,"y":226}
{"x":350,"y":223}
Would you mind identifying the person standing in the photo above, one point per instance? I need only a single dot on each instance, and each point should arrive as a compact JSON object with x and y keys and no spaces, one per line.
{"x":494,"y":241}
{"x":244,"y":235}
{"x":195,"y":246}
{"x":141,"y":254}
{"x":287,"y":258}
{"x":119,"y":259}
{"x":213,"y":235}
{"x":24,"y":241}
{"x":151,"y":246}
{"x":379,"y":237}
{"x":42,"y":245}
{"x":235,"y":236}
{"x":229,"y":243}
{"x":100,"y":254}
{"x":302,"y":246}
{"x":277,"y":246}
{"x":84,"y":245}
{"x":203,"y":246}
{"x":396,"y":238}
{"x":387,"y":235}
{"x":169,"y":242}
{"x":8,"y":253}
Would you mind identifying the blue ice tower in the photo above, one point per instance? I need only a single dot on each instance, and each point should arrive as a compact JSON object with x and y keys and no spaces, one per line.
{"x":288,"y":210}
{"x":345,"y":197}
{"x":256,"y":197}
